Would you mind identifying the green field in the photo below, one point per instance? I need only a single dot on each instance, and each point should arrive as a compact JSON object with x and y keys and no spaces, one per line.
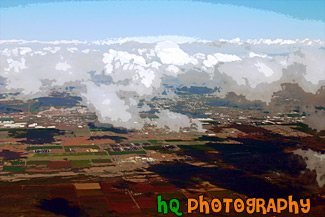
{"x":155,"y":142}
{"x":124,"y":152}
{"x":43,"y":147}
{"x":101,"y":161}
{"x":6,"y":119}
{"x":15,"y":163}
{"x":69,"y":156}
{"x":151,"y":141}
{"x":13,"y":169}
{"x":173,"y":140}
{"x":304,"y":128}
{"x":154,"y":147}
{"x":45,"y":162}
{"x":80,"y":163}
{"x":139,"y":141}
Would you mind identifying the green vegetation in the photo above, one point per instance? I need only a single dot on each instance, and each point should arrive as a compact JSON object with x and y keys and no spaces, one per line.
{"x":173,"y":140}
{"x":97,"y":129}
{"x":69,"y":156}
{"x":292,"y":115}
{"x":34,"y":108}
{"x":155,"y":142}
{"x":101,"y":161}
{"x":13,"y":169}
{"x":154,"y":148}
{"x":124,"y":152}
{"x":43,"y":147}
{"x":139,"y":141}
{"x":80,"y":163}
{"x":45,"y":162}
{"x":151,"y":117}
{"x":6,"y":119}
{"x":15,"y":163}
{"x":100,"y":153}
{"x":304,"y":128}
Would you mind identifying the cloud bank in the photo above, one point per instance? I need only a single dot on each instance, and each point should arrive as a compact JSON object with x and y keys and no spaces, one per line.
{"x":113,"y":76}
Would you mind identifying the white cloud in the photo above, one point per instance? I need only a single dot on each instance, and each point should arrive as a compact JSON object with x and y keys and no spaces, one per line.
{"x":25,"y":50}
{"x":210,"y":61}
{"x":170,"y":53}
{"x":226,"y":57}
{"x":85,"y":51}
{"x":261,"y":67}
{"x":315,"y":162}
{"x":15,"y":65}
{"x":72,"y":49}
{"x":63,"y":66}
{"x":105,"y":101}
{"x":176,"y":122}
{"x":252,"y":55}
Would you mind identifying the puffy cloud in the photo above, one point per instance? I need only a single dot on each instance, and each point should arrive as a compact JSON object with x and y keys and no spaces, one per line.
{"x":25,"y":50}
{"x":63,"y":66}
{"x":226,"y":57}
{"x":72,"y":49}
{"x":15,"y":65}
{"x":261,"y":67}
{"x":252,"y":55}
{"x":104,"y":100}
{"x":85,"y":51}
{"x":177,"y":122}
{"x":171,"y":53}
{"x":210,"y":61}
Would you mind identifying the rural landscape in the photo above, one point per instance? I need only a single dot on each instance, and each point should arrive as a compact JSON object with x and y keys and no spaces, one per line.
{"x":139,"y":108}
{"x":53,"y":154}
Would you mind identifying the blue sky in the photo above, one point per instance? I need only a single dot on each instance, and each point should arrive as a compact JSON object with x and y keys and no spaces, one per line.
{"x":97,"y":20}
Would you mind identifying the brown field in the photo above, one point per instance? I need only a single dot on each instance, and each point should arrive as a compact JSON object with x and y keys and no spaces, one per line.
{"x":71,"y":141}
{"x":146,"y":200}
{"x":59,"y":164}
{"x":86,"y":186}
{"x":119,"y":202}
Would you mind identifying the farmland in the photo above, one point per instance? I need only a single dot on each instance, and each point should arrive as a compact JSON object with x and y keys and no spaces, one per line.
{"x":91,"y":169}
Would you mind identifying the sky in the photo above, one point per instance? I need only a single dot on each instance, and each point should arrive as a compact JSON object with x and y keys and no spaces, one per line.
{"x":208,"y":20}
